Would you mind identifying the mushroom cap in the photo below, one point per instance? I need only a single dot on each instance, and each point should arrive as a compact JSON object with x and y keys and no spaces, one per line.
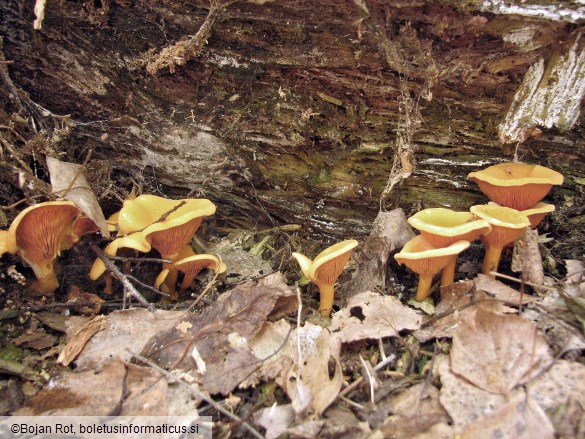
{"x":145,"y":210}
{"x":536,"y":213}
{"x":196,"y":263}
{"x":423,"y":258}
{"x":329,"y":264}
{"x":516,"y":185}
{"x":507,"y":224}
{"x":39,"y":233}
{"x":442,"y":227}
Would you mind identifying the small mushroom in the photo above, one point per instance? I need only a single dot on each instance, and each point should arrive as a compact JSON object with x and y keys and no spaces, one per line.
{"x":507,"y":226}
{"x":151,"y":221}
{"x":442,"y":227}
{"x":191,"y":265}
{"x":516,"y":185}
{"x":423,"y":258}
{"x":324,"y":270}
{"x":38,"y":235}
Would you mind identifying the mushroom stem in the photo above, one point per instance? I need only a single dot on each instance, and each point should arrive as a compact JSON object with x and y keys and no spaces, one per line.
{"x":424,"y":287}
{"x":326,"y":299}
{"x":171,"y":281}
{"x":448,"y":273}
{"x":491,"y":260}
{"x":108,"y":283}
{"x":46,"y":282}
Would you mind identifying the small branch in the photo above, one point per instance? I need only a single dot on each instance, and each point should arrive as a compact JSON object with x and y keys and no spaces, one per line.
{"x":520,"y":281}
{"x":128,"y":287}
{"x":198,"y":394}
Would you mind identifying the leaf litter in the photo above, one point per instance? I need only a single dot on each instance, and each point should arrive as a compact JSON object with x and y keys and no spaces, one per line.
{"x":490,"y":362}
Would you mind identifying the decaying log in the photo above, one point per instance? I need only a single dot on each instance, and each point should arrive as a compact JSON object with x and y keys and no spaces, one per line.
{"x":292,"y":110}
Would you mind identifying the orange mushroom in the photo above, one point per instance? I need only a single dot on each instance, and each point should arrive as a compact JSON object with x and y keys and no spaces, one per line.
{"x":324,"y":270}
{"x":38,"y":235}
{"x":423,"y":258}
{"x":160,"y":223}
{"x":516,"y":185}
{"x":442,"y":227}
{"x":535,"y":213}
{"x":191,"y":265}
{"x":507,"y":226}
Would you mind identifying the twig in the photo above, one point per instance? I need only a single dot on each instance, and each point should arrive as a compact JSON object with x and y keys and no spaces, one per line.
{"x":123,"y":258}
{"x":520,"y":281}
{"x":56,"y":305}
{"x":357,"y":382}
{"x":128,"y":287}
{"x":206,"y":289}
{"x":148,"y":287}
{"x":198,"y":394}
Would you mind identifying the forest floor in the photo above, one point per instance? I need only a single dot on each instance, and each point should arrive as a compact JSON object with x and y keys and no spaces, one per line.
{"x":481,"y":358}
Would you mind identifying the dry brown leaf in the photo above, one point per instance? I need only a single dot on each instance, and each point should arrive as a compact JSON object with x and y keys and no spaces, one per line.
{"x":145,"y":392}
{"x":521,"y":418}
{"x":307,"y":382}
{"x":81,"y":193}
{"x":501,"y":291}
{"x":237,"y":314}
{"x":35,"y":339}
{"x":415,"y":410}
{"x":497,"y":352}
{"x":269,"y":347}
{"x":372,"y":316}
{"x":561,"y":393}
{"x":75,"y":295}
{"x":463,"y":401}
{"x":556,"y":321}
{"x":126,"y":329}
{"x":453,"y":307}
{"x":61,"y":322}
{"x":275,"y":419}
{"x":79,"y":340}
{"x":102,"y":394}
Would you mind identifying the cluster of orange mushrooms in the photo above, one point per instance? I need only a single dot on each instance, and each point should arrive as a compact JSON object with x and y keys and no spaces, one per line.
{"x":39,"y":233}
{"x":149,"y":221}
{"x":515,"y":191}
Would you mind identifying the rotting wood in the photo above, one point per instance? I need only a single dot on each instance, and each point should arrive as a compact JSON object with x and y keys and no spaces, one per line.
{"x":243,"y":123}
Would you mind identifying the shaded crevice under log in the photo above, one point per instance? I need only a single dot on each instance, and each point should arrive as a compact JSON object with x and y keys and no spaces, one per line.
{"x":291,"y":111}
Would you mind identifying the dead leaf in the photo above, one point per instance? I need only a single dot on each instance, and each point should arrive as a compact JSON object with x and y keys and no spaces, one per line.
{"x":81,"y":337}
{"x":561,"y":393}
{"x":497,"y":352}
{"x":126,"y":329}
{"x":521,"y":418}
{"x":74,"y":295}
{"x":307,"y":382}
{"x":414,"y":410}
{"x":129,"y":389}
{"x":61,"y":174}
{"x":372,"y":316}
{"x":501,"y":291}
{"x":269,"y":347}
{"x":242,"y":311}
{"x":275,"y":419}
{"x":464,"y":401}
{"x":35,"y":339}
{"x":61,"y":322}
{"x":453,"y":307}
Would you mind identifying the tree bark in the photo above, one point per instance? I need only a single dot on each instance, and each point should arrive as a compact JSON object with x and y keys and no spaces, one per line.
{"x":314,"y":113}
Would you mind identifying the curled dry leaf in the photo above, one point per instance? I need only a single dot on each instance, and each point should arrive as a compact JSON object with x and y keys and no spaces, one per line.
{"x":497,"y":352}
{"x":79,"y":340}
{"x":372,"y":316}
{"x":527,"y":258}
{"x":307,"y":382}
{"x":81,"y":193}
